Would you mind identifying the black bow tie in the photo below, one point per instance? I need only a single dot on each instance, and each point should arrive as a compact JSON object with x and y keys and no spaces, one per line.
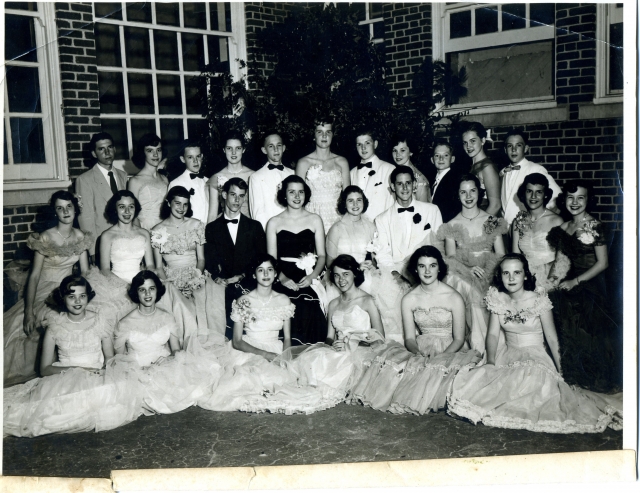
{"x":234,"y":221}
{"x":195,"y":175}
{"x":403,"y":209}
{"x":276,"y":166}
{"x":365,"y":165}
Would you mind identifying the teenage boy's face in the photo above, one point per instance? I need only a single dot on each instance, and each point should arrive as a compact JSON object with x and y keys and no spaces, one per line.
{"x":273,"y":148}
{"x":192,"y":158}
{"x":366,"y":146}
{"x":403,"y":187}
{"x":104,"y":152}
{"x":442,"y":157}
{"x":515,"y":148}
{"x":234,"y":198}
{"x":233,"y":151}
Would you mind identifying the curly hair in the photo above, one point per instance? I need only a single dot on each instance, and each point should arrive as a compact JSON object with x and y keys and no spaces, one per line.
{"x":65,"y":195}
{"x":402,"y":170}
{"x":347,"y":262}
{"x":261,"y":259}
{"x":342,"y":200}
{"x":428,"y":251}
{"x":139,"y":279}
{"x":111,"y":210}
{"x":534,"y":179}
{"x":476,"y":127}
{"x":178,"y":191}
{"x":571,"y":186}
{"x":282,"y":192}
{"x":529,"y":278}
{"x":147,"y":140}
{"x":95,"y":138}
{"x":56,"y":300}
{"x":474,"y":179}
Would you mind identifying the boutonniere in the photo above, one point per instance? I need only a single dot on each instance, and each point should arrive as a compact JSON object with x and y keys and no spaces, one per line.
{"x":427,"y":226}
{"x":589,"y":233}
{"x":490,"y":224}
{"x":417,"y":218}
{"x":372,"y":172}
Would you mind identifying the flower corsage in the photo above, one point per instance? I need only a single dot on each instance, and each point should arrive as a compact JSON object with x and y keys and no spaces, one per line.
{"x":491,"y":224}
{"x":241,"y":312}
{"x":221,"y":181}
{"x":523,"y":222}
{"x":307,"y":263}
{"x":589,"y":233}
{"x":159,"y":237}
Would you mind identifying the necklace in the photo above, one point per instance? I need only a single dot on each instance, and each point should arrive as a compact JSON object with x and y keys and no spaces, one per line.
{"x":65,"y":238}
{"x":534,"y":220}
{"x":80,"y":321}
{"x":147,"y":314}
{"x":470,"y":218}
{"x":234,"y":172}
{"x":265,"y":303}
{"x":425,"y":291}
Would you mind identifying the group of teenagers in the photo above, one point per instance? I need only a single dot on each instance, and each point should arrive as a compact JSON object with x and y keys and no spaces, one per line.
{"x":292,"y":290}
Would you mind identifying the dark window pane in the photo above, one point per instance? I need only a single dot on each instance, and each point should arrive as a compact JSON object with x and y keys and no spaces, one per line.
{"x":195,"y":15}
{"x":542,"y":14}
{"x":27,"y":140}
{"x":486,"y":20}
{"x":361,"y":9}
{"x":19,"y":39}
{"x":118,"y":130}
{"x":139,"y":11}
{"x":616,"y":56}
{"x":110,"y":10}
{"x":5,"y":151}
{"x":218,"y":53}
{"x":172,"y":134}
{"x":169,"y":94}
{"x":192,"y":88}
{"x":30,"y":6}
{"x":166,"y":50}
{"x":140,"y":127}
{"x":375,"y":10}
{"x":227,"y":16}
{"x":140,"y":93}
{"x":460,"y":26}
{"x":107,"y":45}
{"x":378,"y":30}
{"x":220,"y":16}
{"x":514,"y":16}
{"x":136,"y":43}
{"x":193,"y":52}
{"x":168,"y":14}
{"x":111,"y":91}
{"x":24,"y":89}
{"x":198,"y":129}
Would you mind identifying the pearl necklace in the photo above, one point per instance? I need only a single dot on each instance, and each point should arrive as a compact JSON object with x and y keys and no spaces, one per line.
{"x":534,"y":220}
{"x":147,"y":314}
{"x":234,"y":172}
{"x":79,"y":322}
{"x":65,"y":238}
{"x":265,"y":303}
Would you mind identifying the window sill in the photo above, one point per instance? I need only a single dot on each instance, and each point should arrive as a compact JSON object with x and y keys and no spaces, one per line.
{"x":497,"y":107}
{"x":617,"y":98}
{"x":25,"y":193}
{"x":611,"y":109}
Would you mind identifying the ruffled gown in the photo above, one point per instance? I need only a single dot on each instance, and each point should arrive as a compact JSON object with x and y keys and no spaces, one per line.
{"x":399,"y":381}
{"x":326,"y":187}
{"x":590,"y":340}
{"x":20,"y":350}
{"x":523,"y":390}
{"x":77,"y":399}
{"x":470,"y":252}
{"x":204,"y":297}
{"x":151,"y":197}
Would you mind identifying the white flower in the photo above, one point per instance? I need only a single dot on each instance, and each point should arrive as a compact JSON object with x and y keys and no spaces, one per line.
{"x":307,"y":263}
{"x":222,"y":180}
{"x":373,"y":246}
{"x":313,"y":172}
{"x":586,"y":238}
{"x":159,"y":237}
{"x":589,"y":233}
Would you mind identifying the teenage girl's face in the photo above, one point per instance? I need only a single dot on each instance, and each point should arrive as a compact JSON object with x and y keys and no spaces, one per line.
{"x":76,"y":301}
{"x":577,"y":201}
{"x":354,"y":204}
{"x":512,"y":275}
{"x":153,"y":155}
{"x":401,"y":153}
{"x":179,"y":207}
{"x":148,"y":293}
{"x":126,"y":209}
{"x":265,"y":274}
{"x":295,"y":195}
{"x":428,"y":270}
{"x":323,"y":135}
{"x":65,"y":211}
{"x":468,"y":194}
{"x":472,"y":143}
{"x":233,"y":151}
{"x":343,"y":278}
{"x":534,"y":196}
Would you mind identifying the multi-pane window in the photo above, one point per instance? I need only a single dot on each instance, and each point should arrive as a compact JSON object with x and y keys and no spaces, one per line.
{"x":370,"y":15}
{"x":609,"y":52}
{"x":149,"y":56}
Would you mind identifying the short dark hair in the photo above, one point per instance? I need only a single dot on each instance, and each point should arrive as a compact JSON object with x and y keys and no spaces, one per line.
{"x":110,"y":211}
{"x":139,"y":279}
{"x":402,"y":170}
{"x":367,"y":131}
{"x":65,"y":195}
{"x":177,"y":191}
{"x":342,"y":200}
{"x":269,"y":133}
{"x":534,"y":179}
{"x":442,"y":142}
{"x":149,"y":139}
{"x":324,"y":120}
{"x":188,"y":143}
{"x":282,"y":192}
{"x":571,"y":186}
{"x":56,"y":300}
{"x":261,"y":259}
{"x":95,"y":138}
{"x":428,"y":251}
{"x":529,"y":281}
{"x":401,"y":137}
{"x":347,"y":262}
{"x":476,"y":127}
{"x":516,"y":131}
{"x":474,"y":179}
{"x":238,"y":182}
{"x":235,"y":135}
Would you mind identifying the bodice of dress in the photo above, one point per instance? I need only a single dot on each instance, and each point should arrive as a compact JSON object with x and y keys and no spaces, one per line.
{"x":351,"y":321}
{"x":435,"y":321}
{"x":151,"y":197}
{"x":78,"y":345}
{"x":325,"y":185}
{"x":149,"y":341}
{"x":351,"y":238}
{"x":178,"y":250}
{"x":580,"y":246}
{"x":126,"y":254}
{"x":479,"y":166}
{"x":261,"y":322}
{"x":58,"y":260}
{"x":221,"y":178}
{"x":293,"y":246}
{"x":535,"y":247}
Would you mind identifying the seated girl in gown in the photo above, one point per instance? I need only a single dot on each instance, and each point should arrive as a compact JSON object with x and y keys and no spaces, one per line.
{"x":178,"y":250}
{"x":417,"y":378}
{"x":520,"y":386}
{"x":75,"y":393}
{"x":529,"y":232}
{"x":355,"y":235}
{"x":473,"y":246}
{"x":55,"y":252}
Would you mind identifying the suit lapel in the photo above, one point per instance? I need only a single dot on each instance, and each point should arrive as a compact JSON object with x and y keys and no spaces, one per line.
{"x":102,"y":186}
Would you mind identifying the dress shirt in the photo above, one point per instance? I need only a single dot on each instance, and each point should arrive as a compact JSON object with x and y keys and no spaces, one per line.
{"x":263,"y":187}
{"x":200,"y":198}
{"x":439,"y":176}
{"x":233,"y":228}
{"x":374,"y":182}
{"x":105,"y":173}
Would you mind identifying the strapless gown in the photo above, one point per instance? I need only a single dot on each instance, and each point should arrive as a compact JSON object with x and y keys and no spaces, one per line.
{"x":309,"y":324}
{"x":151,"y":198}
{"x":399,"y":381}
{"x":325,"y":191}
{"x":523,"y":390}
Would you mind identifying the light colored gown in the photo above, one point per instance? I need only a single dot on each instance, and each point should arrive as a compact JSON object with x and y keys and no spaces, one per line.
{"x":151,"y":197}
{"x":19,"y":349}
{"x":523,"y":390}
{"x":326,"y":187}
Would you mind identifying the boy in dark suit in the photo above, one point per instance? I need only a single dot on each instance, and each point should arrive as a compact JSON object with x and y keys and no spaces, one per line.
{"x":444,"y":181}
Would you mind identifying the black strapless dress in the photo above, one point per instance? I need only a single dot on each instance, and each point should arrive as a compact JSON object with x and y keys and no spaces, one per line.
{"x":309,"y":324}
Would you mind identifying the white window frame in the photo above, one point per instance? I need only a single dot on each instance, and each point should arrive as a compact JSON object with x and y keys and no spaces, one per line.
{"x":442,"y":45}
{"x":54,"y":174}
{"x":237,"y":48}
{"x":370,"y":21}
{"x":606,"y":14}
